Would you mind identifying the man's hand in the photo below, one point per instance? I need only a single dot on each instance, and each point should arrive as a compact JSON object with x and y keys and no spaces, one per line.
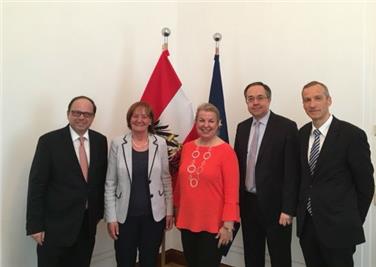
{"x":113,"y":230}
{"x":38,"y":237}
{"x":285,"y":219}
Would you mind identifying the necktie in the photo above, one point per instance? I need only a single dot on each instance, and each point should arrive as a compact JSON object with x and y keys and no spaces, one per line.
{"x":313,"y":156}
{"x":83,"y":158}
{"x":252,"y":158}
{"x":315,"y":151}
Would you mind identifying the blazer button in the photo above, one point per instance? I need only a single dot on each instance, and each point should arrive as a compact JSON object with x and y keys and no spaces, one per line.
{"x":151,"y":195}
{"x":149,"y":181}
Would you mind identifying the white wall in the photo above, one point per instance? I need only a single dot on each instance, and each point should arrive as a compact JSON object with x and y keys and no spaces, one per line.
{"x":1,"y":130}
{"x":368,"y":255}
{"x":55,"y":51}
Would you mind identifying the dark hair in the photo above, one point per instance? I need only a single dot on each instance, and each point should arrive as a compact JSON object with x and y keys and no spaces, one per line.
{"x":268,"y":92}
{"x":82,"y":97}
{"x":148,"y":110}
{"x":313,"y":83}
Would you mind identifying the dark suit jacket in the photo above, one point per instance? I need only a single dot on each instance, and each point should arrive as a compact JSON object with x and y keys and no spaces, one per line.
{"x":58,"y":192}
{"x":276,"y":168}
{"x":342,"y":186}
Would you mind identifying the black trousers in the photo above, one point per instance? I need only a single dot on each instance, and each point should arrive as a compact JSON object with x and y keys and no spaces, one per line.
{"x":200,"y":249}
{"x":140,"y":233}
{"x":77,"y":255}
{"x":257,"y":233}
{"x":317,"y":254}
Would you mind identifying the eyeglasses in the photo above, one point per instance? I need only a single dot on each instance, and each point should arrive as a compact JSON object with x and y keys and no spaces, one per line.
{"x":77,"y":114}
{"x":259,"y":98}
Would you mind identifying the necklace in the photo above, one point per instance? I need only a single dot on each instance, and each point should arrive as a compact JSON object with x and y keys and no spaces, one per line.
{"x":140,"y":145}
{"x":194,"y":170}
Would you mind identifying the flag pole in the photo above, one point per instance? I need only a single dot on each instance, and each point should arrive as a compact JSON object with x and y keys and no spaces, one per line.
{"x":165,"y":33}
{"x":216,"y":90}
{"x":217,"y":38}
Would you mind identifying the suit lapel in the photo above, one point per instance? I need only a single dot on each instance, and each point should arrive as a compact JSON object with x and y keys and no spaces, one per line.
{"x":93,"y":154}
{"x":127,"y":154}
{"x":153,"y":149}
{"x":268,"y":135}
{"x":71,"y":151}
{"x":306,"y":132}
{"x":328,"y":144}
{"x":244,"y":139}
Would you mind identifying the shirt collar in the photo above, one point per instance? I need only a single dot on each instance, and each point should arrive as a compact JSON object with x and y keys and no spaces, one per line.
{"x":76,"y":136}
{"x":263,"y":120}
{"x":325,"y":127}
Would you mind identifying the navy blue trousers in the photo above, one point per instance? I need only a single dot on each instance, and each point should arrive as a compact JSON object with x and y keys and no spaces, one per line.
{"x":142,"y":234}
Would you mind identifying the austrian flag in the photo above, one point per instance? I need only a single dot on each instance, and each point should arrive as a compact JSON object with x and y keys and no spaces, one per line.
{"x":172,"y":110}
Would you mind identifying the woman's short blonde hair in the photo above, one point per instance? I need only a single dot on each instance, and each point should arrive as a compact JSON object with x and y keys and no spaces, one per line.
{"x":209,"y":108}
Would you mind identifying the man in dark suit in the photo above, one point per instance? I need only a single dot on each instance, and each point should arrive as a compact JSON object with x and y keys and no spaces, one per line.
{"x":336,"y":185}
{"x":66,"y":189}
{"x":267,"y":148}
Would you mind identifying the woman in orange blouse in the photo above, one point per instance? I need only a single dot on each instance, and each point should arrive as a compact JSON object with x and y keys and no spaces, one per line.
{"x":207,"y":192}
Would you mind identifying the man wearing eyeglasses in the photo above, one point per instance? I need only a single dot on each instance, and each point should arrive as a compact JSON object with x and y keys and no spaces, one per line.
{"x":66,"y":189}
{"x":267,"y":148}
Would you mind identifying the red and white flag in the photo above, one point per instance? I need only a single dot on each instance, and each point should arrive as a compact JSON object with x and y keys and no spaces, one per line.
{"x":172,"y":110}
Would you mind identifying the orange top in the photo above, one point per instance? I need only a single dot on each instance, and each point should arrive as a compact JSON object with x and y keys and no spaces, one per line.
{"x":207,"y":187}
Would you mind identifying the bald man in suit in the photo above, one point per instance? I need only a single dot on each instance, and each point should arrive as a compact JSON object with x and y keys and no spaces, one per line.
{"x":336,"y":185}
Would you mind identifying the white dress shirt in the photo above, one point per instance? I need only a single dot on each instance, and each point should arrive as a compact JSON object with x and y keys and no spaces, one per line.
{"x":76,"y":143}
{"x":323,"y":133}
{"x":262,"y":126}
{"x":263,"y":122}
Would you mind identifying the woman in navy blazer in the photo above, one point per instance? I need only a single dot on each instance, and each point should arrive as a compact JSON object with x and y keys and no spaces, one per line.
{"x":138,"y":193}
